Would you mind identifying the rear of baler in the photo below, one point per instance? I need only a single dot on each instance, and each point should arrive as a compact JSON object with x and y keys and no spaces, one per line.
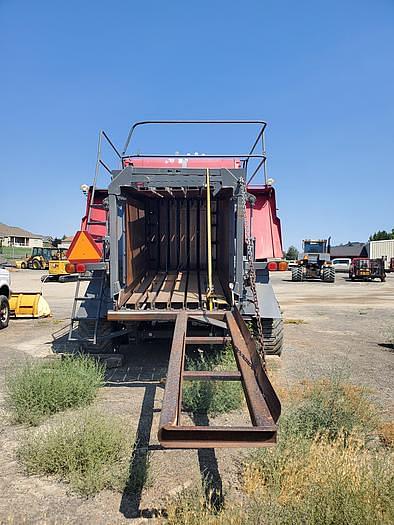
{"x":185,"y":244}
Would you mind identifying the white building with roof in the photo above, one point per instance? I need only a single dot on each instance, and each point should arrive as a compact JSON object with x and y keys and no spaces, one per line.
{"x":15,"y":236}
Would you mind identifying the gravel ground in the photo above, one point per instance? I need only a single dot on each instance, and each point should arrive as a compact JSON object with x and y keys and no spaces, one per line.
{"x":345,"y":327}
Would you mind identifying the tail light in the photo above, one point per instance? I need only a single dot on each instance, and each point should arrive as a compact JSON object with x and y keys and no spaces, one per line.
{"x":283,"y":265}
{"x":272,"y":266}
{"x":70,"y":268}
{"x":75,"y":268}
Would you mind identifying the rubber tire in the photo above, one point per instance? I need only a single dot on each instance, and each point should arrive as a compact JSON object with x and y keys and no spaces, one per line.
{"x":23,"y":266}
{"x":329,"y":274}
{"x":106,"y":346}
{"x":296,"y":274}
{"x":36,"y":265}
{"x":273,"y":336}
{"x":4,"y":305}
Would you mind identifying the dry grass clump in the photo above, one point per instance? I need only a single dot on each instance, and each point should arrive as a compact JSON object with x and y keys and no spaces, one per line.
{"x":386,"y":434}
{"x":304,"y":482}
{"x":88,"y":450}
{"x":43,"y":387}
{"x":190,"y":507}
{"x":322,"y":471}
{"x":212,"y":397}
{"x":321,"y":481}
{"x":329,"y":405}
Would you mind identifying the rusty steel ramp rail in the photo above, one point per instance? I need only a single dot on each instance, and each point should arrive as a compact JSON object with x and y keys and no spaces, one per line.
{"x":262,"y":401}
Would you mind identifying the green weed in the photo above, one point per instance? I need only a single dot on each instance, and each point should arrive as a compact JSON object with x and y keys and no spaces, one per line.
{"x":331,"y":406}
{"x":40,"y":388}
{"x":87,"y":450}
{"x":212,"y":397}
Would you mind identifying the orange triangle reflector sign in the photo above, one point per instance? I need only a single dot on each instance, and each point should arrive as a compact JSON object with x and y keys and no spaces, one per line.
{"x":83,"y":249}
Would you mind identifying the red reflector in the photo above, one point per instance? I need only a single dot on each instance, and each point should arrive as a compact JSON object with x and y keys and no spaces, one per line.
{"x":80,"y":268}
{"x":272,"y":266}
{"x":283,"y":266}
{"x":70,"y":268}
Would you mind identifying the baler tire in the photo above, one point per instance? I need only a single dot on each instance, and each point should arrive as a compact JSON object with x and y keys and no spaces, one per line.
{"x":296,"y":274}
{"x":273,"y":336}
{"x":105,"y":346}
{"x":23,"y":266}
{"x":4,"y":312}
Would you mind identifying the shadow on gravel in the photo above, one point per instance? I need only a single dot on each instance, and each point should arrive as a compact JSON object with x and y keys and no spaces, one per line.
{"x":209,"y":470}
{"x":387,"y":346}
{"x":60,"y":342}
{"x":139,"y":463}
{"x":140,"y":368}
{"x":145,"y":367}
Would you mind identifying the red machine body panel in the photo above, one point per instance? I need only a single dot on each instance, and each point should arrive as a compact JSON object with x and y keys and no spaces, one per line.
{"x":184,"y":162}
{"x":98,"y":215}
{"x":266,"y":226}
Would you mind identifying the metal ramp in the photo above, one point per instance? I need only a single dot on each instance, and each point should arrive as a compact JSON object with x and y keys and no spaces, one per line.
{"x":263,"y":404}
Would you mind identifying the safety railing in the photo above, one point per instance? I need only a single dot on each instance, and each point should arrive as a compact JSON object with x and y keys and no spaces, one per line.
{"x":100,"y":163}
{"x":245,"y":157}
{"x":257,"y":151}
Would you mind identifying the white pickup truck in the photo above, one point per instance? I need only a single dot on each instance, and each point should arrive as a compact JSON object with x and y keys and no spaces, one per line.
{"x":5,"y":294}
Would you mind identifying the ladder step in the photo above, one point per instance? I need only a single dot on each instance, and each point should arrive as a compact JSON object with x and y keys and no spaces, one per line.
{"x":86,"y":298}
{"x":84,"y":339}
{"x":84,"y":318}
{"x":97,"y":206}
{"x":207,"y":340}
{"x":207,"y":375}
{"x":90,"y":278}
{"x":90,"y":223}
{"x":208,"y":320}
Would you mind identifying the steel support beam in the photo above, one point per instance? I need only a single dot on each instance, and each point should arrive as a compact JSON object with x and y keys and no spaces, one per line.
{"x":207,"y":375}
{"x":255,"y":383}
{"x":173,"y":393}
{"x":157,"y":315}
{"x":210,"y":340}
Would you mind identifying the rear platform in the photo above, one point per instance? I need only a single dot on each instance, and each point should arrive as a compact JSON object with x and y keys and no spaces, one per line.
{"x":174,"y":290}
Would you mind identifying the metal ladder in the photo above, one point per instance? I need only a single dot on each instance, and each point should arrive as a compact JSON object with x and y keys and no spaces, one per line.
{"x":97,"y":274}
{"x":98,"y":298}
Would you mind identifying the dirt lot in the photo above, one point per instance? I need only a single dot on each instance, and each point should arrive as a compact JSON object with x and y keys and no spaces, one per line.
{"x":346,"y":327}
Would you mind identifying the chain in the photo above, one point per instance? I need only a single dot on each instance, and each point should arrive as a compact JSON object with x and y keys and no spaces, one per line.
{"x":252,"y":277}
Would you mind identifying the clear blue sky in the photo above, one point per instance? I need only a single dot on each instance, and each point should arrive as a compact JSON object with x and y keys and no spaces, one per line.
{"x":321,"y":73}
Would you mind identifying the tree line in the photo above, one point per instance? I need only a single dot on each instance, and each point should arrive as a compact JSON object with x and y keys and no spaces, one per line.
{"x":382,"y":235}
